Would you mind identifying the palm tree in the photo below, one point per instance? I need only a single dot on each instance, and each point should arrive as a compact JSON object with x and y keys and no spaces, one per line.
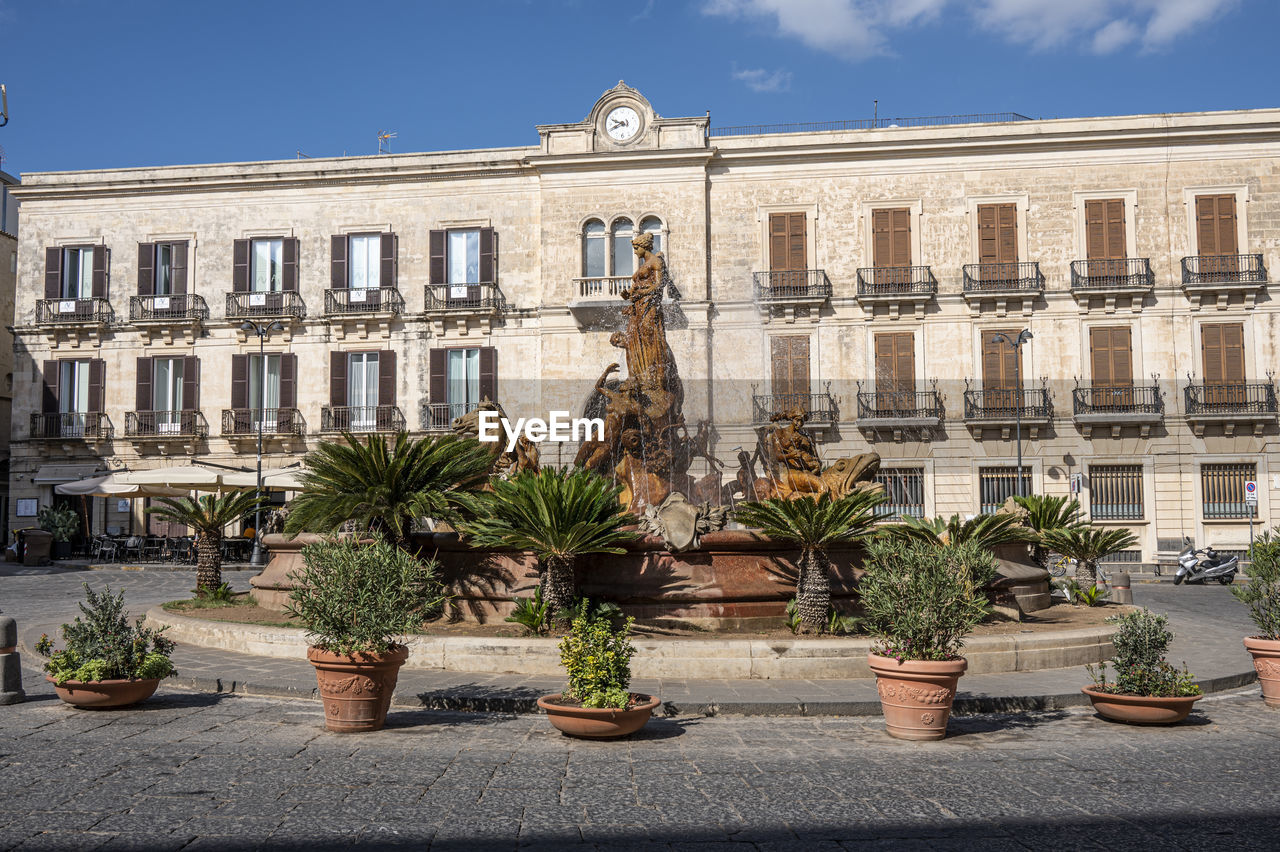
{"x":986,"y":531}
{"x":208,"y":515}
{"x":1046,"y":513}
{"x":1087,"y":545}
{"x":813,"y":524}
{"x":559,"y":515}
{"x":384,"y":489}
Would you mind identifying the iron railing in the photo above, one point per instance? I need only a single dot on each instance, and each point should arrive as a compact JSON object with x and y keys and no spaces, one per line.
{"x":1006,"y":403}
{"x":165,"y":424}
{"x":177,"y":307}
{"x":1130,"y":273}
{"x":94,"y":310}
{"x":438,"y":416}
{"x":1117,"y":399}
{"x":1115,"y":492}
{"x":1231,"y":398}
{"x":820,"y":407}
{"x":93,"y":425}
{"x":997,"y":484}
{"x":904,"y":488}
{"x":602,"y":286}
{"x":899,"y":405}
{"x":896,"y":281}
{"x":378,"y":300}
{"x":361,"y":418}
{"x":1222,"y":490}
{"x":792,"y":284}
{"x":1003,"y":277}
{"x":276,"y":303}
{"x":869,"y":124}
{"x":243,"y":422}
{"x":464,"y":297}
{"x":1223,"y":269}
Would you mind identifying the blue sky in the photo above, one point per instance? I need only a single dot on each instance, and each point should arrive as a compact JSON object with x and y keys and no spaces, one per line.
{"x":115,"y":84}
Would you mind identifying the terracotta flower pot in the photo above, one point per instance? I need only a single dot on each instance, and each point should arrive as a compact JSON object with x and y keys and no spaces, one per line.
{"x":916,"y":695}
{"x":1266,"y":662}
{"x":1141,"y":709}
{"x":598,"y":723}
{"x":356,"y":689}
{"x":102,"y":694}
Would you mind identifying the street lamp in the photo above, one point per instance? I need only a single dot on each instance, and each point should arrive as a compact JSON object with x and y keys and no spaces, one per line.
{"x":1016,"y":344}
{"x":258,"y":559}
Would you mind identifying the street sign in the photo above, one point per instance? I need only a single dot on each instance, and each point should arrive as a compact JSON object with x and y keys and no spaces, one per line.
{"x":1077,"y":483}
{"x":1250,"y":492}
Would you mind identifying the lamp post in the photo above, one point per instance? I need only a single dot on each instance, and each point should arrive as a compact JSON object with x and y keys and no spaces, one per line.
{"x":1016,"y":344}
{"x":258,"y":559}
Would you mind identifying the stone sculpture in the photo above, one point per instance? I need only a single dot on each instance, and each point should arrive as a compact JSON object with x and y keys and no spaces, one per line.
{"x":680,"y":523}
{"x":525,"y":457}
{"x":793,"y":468}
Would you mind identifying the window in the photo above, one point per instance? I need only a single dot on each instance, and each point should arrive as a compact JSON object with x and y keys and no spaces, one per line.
{"x":73,"y":397}
{"x":462,"y":380}
{"x":652,"y":225}
{"x":162,"y":269}
{"x":1105,"y":231}
{"x":1001,"y":369}
{"x":362,"y":389}
{"x":891,"y":237}
{"x":788,"y":242}
{"x":1216,"y":225}
{"x":1115,"y":492}
{"x":464,"y":259}
{"x":623,"y":254}
{"x":790,"y":357}
{"x":904,"y":487}
{"x":998,"y":484}
{"x":1222,"y":354}
{"x":365,"y":266}
{"x":166,"y":391}
{"x":997,"y":237}
{"x":458,"y":380}
{"x":72,"y":392}
{"x":77,"y":273}
{"x":1222,"y":490}
{"x":1111,"y":357}
{"x":264,"y":389}
{"x":266,"y":272}
{"x":895,"y":371}
{"x":594,"y":250}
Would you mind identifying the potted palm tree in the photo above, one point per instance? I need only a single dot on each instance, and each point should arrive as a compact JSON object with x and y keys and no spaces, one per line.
{"x":559,"y":515}
{"x":208,"y":516}
{"x":1087,"y":545}
{"x":1147,"y":689}
{"x":814,"y":523}
{"x":1262,"y":596}
{"x":921,"y":600}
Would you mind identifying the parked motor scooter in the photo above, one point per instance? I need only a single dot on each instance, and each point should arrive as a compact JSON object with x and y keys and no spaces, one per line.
{"x":1200,"y":566}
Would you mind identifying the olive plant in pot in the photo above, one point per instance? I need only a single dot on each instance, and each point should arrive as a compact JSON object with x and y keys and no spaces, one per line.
{"x":1262,"y":596}
{"x":1147,"y":689}
{"x":357,"y":601}
{"x":921,"y":600}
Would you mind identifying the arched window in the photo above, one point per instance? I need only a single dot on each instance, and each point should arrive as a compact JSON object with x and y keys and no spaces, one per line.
{"x":593,"y":250}
{"x":653,"y":225}
{"x":623,"y":257}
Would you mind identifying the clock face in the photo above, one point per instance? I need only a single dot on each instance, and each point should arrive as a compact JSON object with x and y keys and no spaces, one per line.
{"x":622,"y":123}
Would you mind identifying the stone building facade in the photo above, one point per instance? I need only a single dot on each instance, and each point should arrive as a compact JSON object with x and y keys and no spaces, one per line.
{"x":862,"y":273}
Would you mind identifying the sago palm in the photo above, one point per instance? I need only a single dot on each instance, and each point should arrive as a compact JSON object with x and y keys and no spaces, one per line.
{"x":985,"y":531}
{"x":814,"y":524}
{"x":384,"y":487}
{"x":1087,"y":545}
{"x":208,"y":515}
{"x":559,"y":515}
{"x":1044,"y":514}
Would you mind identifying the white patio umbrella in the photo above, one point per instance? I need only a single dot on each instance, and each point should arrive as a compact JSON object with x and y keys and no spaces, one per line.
{"x":111,"y":485}
{"x":186,"y":477}
{"x":280,"y":479}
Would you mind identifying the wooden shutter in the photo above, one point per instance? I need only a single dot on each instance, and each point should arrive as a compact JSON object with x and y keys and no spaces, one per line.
{"x":97,"y":384}
{"x":1216,"y":224}
{"x":436,"y":267}
{"x":999,"y":361}
{"x":997,"y":233}
{"x":179,"y":267}
{"x":146,"y":269}
{"x":387,"y":377}
{"x":240,"y":266}
{"x":486,"y":256}
{"x":338,"y":379}
{"x":338,"y":262}
{"x":1105,"y":229}
{"x":1222,"y":345}
{"x":790,"y":356}
{"x":1111,"y":358}
{"x":891,"y":237}
{"x":52,"y":273}
{"x":191,"y":383}
{"x":788,"y":242}
{"x":288,"y":380}
{"x":143,"y":397}
{"x":289,"y":258}
{"x":50,"y":405}
{"x":895,"y":365}
{"x":101,"y":260}
{"x":240,"y":381}
{"x":388,"y":265}
{"x":489,"y":373}
{"x":436,"y":385}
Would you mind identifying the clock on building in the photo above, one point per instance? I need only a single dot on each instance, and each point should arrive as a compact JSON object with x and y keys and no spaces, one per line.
{"x":622,"y":123}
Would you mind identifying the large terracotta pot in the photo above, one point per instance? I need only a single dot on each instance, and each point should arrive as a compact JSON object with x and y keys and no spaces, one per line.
{"x":102,"y":694}
{"x":916,"y":695}
{"x":1266,"y":662}
{"x":598,"y":723}
{"x":1141,"y":709}
{"x":356,"y":690}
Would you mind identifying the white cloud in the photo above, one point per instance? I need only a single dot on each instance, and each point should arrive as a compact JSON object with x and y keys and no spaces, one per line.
{"x":760,"y":80}
{"x":849,"y":28}
{"x":1114,"y":36}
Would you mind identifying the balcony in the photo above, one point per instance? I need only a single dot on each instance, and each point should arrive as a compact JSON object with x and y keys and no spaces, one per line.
{"x":463,"y":306}
{"x":1117,"y":406}
{"x":820,"y":408}
{"x":75,"y":320}
{"x":789,"y":294}
{"x":1004,"y":408}
{"x":87,"y":426}
{"x":899,"y":413}
{"x":162,"y":316}
{"x":1230,"y":406}
{"x":895,"y":288}
{"x":358,"y":311}
{"x":279,"y":425}
{"x":438,"y":416}
{"x":999,"y":284}
{"x":164,"y":429}
{"x":283,"y":305}
{"x":1215,"y":279}
{"x":1107,"y":283}
{"x":361,"y":418}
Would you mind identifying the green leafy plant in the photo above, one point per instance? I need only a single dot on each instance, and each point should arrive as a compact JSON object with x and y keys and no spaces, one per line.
{"x":1078,"y":595}
{"x":793,"y":616}
{"x":104,"y":646}
{"x":983,"y":531}
{"x":922,"y":599}
{"x":842,"y":625}
{"x":1141,"y":641}
{"x":360,"y":597}
{"x":531,"y":613}
{"x":208,"y":515}
{"x":1046,"y":513}
{"x":1262,"y":593}
{"x":1087,"y":545}
{"x":814,"y":524}
{"x":61,"y":521}
{"x":596,"y":656}
{"x":222,"y":594}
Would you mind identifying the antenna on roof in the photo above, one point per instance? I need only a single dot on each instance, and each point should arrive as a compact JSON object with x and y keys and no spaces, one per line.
{"x":875,"y":111}
{"x":302,"y":156}
{"x":384,"y":141}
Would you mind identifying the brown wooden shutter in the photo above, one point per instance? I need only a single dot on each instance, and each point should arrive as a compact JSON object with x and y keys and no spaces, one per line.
{"x":797,"y":250}
{"x":101,"y":260}
{"x":891,"y":237}
{"x":289,"y":257}
{"x":788,"y":242}
{"x":1100,"y":356}
{"x":1117,"y":249}
{"x":191,"y":383}
{"x":436,"y":386}
{"x":779,"y":258}
{"x":288,"y":380}
{"x":146,"y":269}
{"x":179,"y":266}
{"x":338,"y":262}
{"x":1222,"y":346}
{"x":489,"y":373}
{"x":143,"y":397}
{"x":896,"y":362}
{"x":1007,"y":233}
{"x":1216,"y":225}
{"x":50,"y":403}
{"x":97,"y":384}
{"x":388,"y":265}
{"x":999,"y":360}
{"x":52,"y":273}
{"x":790,"y":355}
{"x":387,"y":377}
{"x":988,"y":241}
{"x":240,"y":266}
{"x":901,"y":223}
{"x":486,"y":256}
{"x":436,"y":264}
{"x":1095,"y":221}
{"x":338,"y":379}
{"x":240,"y":382}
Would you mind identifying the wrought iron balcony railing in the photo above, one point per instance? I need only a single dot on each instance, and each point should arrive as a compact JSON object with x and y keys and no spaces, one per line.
{"x":178,"y":307}
{"x":83,"y":425}
{"x":165,"y":424}
{"x":601,"y":287}
{"x":1003,"y":277}
{"x":1117,"y":399}
{"x":277,"y":303}
{"x":243,"y":422}
{"x":381,"y":300}
{"x":438,"y":416}
{"x":896,"y":281}
{"x":92,"y":311}
{"x":792,"y":284}
{"x":480,"y":298}
{"x":1130,"y":273}
{"x":1230,"y":399}
{"x":820,"y":407}
{"x":1007,"y":404}
{"x":899,"y":405}
{"x":1223,"y":269}
{"x":361,"y":418}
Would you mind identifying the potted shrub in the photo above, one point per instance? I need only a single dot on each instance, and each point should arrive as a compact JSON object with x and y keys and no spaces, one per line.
{"x":596,"y":655}
{"x":356,"y":599}
{"x":107,"y":662}
{"x":1147,"y":690}
{"x":1262,"y":596}
{"x":62,"y":523}
{"x":921,"y":600}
